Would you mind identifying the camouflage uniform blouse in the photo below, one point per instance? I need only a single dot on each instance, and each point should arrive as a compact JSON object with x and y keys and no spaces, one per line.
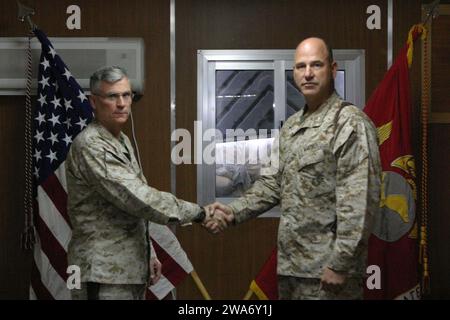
{"x":109,"y":202}
{"x":328,"y":186}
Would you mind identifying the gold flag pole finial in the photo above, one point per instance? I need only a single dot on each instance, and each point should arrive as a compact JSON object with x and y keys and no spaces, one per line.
{"x":432,"y":9}
{"x":24,"y":13}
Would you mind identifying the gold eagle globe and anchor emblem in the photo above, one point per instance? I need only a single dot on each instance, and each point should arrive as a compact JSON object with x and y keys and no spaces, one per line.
{"x":398,"y":193}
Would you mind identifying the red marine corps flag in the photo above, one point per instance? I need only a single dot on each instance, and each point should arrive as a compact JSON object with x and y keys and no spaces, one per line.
{"x":265,"y":285}
{"x":393,"y":246}
{"x":175,"y":263}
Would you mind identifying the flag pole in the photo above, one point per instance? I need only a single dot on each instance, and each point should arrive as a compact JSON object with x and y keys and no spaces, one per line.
{"x":433,"y":11}
{"x":24,"y":13}
{"x":248,"y":295}
{"x":423,"y":247}
{"x":200,"y":285}
{"x":28,"y":235}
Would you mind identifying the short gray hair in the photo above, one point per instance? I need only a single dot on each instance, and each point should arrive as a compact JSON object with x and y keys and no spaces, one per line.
{"x":110,"y":74}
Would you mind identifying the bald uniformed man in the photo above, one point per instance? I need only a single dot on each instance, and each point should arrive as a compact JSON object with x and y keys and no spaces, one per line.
{"x":327,"y":184}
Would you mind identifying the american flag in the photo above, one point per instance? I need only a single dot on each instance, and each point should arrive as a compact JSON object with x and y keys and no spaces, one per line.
{"x":175,"y":263}
{"x":62,"y":111}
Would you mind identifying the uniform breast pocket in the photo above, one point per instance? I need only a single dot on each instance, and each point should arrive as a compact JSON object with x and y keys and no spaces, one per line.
{"x":316,"y":172}
{"x":117,"y":168}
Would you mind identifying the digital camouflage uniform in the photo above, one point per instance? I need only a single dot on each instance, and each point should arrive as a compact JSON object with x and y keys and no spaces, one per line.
{"x":109,"y":203}
{"x":293,"y":288}
{"x":110,"y":292}
{"x":328,"y":186}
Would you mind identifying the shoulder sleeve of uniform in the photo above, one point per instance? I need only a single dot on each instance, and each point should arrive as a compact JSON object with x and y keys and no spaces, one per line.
{"x":352,"y":122}
{"x":265,"y":192}
{"x":357,"y":188}
{"x":261,"y":197}
{"x":115,"y":181}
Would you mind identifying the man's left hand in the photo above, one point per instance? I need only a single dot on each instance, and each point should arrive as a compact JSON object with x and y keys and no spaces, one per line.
{"x":331,"y":280}
{"x":155,"y":270}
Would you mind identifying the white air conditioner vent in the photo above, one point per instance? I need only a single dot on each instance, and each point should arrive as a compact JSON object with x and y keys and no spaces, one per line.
{"x":81,"y":55}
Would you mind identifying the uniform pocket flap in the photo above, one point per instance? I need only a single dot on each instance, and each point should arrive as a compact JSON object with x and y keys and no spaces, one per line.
{"x":116,"y":168}
{"x":310,"y":158}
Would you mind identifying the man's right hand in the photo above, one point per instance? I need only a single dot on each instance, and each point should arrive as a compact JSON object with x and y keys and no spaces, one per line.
{"x":218,"y":217}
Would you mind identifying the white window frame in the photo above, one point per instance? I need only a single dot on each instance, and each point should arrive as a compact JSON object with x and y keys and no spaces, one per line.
{"x":208,"y":61}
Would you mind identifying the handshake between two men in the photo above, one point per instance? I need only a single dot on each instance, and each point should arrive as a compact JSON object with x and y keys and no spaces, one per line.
{"x":218,"y":217}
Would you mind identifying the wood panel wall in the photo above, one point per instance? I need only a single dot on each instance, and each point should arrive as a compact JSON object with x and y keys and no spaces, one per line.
{"x":14,"y":263}
{"x":439,"y":211}
{"x":99,"y":18}
{"x":439,"y":158}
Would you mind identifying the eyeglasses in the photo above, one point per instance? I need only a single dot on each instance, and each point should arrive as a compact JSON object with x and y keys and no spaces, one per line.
{"x":114,"y":97}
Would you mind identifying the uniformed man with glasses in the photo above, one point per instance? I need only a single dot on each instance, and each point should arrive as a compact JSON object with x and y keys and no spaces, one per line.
{"x":110,"y":202}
